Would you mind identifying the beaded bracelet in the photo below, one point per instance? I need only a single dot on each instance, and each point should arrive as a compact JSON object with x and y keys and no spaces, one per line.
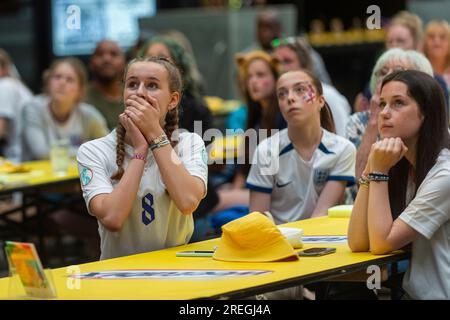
{"x":158,"y":142}
{"x":377,"y":176}
{"x":363,"y":181}
{"x":159,"y":145}
{"x":139,"y":157}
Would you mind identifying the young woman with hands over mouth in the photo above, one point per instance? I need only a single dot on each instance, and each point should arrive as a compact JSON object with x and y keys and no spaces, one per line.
{"x":143,"y":180}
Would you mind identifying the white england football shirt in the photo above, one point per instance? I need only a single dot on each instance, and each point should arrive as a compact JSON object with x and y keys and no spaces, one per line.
{"x":295,"y":184}
{"x":428,"y":275}
{"x":155,"y":222}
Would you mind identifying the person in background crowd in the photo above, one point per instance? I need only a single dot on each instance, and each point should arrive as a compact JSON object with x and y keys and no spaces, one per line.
{"x":437,"y":48}
{"x":258,"y":73}
{"x":269,"y":29}
{"x":404,"y":31}
{"x":192,"y":105}
{"x":59,"y":114}
{"x":13,"y":96}
{"x":184,"y":42}
{"x":104,"y":92}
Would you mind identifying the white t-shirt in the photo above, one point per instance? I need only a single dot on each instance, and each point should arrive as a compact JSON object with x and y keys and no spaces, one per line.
{"x":13,"y":96}
{"x":340,"y":108}
{"x":155,"y":222}
{"x":428,"y":276}
{"x":41,"y":129}
{"x":295,"y":184}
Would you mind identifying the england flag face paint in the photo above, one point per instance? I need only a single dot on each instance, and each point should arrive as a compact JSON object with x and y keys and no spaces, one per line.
{"x":309,"y":94}
{"x":297,"y":96}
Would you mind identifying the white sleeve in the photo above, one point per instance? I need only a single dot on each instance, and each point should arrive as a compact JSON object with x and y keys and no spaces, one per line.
{"x":430,"y":208}
{"x":94,"y":177}
{"x":35,"y":131}
{"x":339,"y":109}
{"x":264,"y":167}
{"x":192,"y":152}
{"x":344,"y":170}
{"x":8,"y":98}
{"x":340,"y":119}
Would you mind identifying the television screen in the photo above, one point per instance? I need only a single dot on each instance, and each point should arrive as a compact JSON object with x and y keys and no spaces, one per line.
{"x":77,"y":25}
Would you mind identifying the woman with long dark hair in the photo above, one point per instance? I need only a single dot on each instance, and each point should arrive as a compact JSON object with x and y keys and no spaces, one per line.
{"x":405,"y":187}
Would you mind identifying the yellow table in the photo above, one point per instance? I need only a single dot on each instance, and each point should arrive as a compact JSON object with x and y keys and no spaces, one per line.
{"x":32,"y":183}
{"x":40,"y":174}
{"x":280,"y":275}
{"x":226,"y":147}
{"x":219,"y":106}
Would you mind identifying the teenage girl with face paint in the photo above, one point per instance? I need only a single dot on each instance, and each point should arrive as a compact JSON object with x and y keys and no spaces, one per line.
{"x":140,"y":185}
{"x":310,"y":165}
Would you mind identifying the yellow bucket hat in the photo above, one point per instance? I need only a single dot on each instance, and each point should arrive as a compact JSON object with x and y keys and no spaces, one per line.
{"x":253,"y":238}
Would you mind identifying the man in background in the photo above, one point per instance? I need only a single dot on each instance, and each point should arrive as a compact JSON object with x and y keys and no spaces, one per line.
{"x":107,"y":66}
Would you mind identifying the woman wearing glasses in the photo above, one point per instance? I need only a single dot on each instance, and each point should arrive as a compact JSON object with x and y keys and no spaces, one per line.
{"x":318,"y":66}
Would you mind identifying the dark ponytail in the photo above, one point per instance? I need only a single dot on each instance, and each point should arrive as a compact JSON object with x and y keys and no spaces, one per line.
{"x":433,"y":135}
{"x":326,"y":118}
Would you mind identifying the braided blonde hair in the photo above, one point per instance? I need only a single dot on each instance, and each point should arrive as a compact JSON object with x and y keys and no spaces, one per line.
{"x":171,"y":118}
